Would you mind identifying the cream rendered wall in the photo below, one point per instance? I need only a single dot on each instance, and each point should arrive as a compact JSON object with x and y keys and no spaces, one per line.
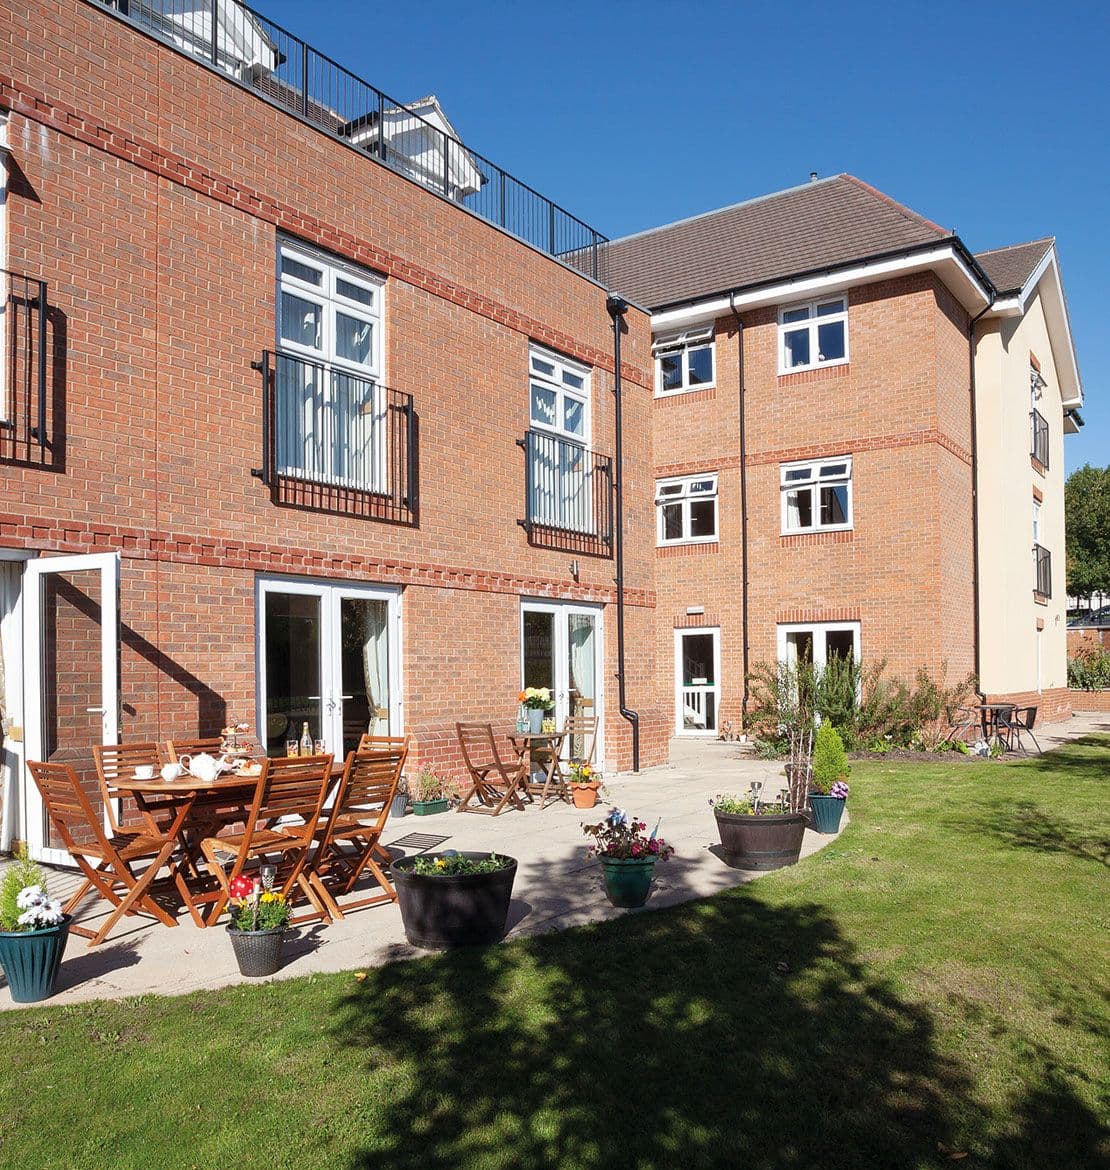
{"x":1007,"y":608}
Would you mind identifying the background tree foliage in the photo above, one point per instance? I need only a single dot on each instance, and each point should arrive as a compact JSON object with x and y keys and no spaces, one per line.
{"x":1087,"y":515}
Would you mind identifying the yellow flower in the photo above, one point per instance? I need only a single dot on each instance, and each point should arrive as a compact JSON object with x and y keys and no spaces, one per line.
{"x":441,"y":863}
{"x":270,"y":896}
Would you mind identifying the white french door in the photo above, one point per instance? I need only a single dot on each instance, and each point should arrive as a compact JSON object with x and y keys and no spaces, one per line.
{"x":560,"y":648}
{"x":329,"y":655}
{"x":697,"y":670}
{"x":71,"y":675}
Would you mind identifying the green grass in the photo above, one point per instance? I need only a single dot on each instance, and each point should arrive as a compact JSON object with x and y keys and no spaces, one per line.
{"x":933,"y":984}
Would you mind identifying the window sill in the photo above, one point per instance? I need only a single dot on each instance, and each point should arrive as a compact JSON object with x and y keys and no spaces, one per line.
{"x":785,"y":373}
{"x":698,"y":394}
{"x":685,"y":390}
{"x":1039,"y":467}
{"x":1040,"y":598}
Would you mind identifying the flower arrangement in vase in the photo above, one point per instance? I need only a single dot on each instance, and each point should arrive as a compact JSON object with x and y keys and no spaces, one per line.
{"x":627,"y":856}
{"x":535,"y":700}
{"x":585,"y":784}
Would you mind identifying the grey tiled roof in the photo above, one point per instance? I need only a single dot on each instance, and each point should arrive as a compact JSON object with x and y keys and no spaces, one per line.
{"x":821,"y":224}
{"x":1009,"y":268}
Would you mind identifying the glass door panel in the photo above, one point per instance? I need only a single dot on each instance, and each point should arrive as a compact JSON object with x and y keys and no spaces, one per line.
{"x":365,"y":695}
{"x":293,"y":640}
{"x":539,"y":649}
{"x":698,"y":685}
{"x":72,"y":663}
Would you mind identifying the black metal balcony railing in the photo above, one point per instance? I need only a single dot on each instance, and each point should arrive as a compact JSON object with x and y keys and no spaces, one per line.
{"x":1042,"y":571}
{"x":336,"y":442}
{"x":1039,"y":439}
{"x":568,"y":495}
{"x":262,"y":56}
{"x":24,"y":407}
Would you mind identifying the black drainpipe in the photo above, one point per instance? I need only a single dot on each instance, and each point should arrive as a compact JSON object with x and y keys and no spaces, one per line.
{"x":975,"y":499}
{"x":617,"y":307}
{"x":743,"y":500}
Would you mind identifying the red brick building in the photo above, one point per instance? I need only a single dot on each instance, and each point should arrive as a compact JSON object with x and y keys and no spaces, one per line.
{"x":849,"y":457}
{"x":343,"y":432}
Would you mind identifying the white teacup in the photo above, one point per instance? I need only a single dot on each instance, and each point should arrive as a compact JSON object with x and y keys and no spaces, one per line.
{"x":172,"y":772}
{"x":144,"y":772}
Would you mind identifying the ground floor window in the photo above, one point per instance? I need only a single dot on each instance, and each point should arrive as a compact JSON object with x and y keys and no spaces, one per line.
{"x":818,"y":642}
{"x":328,"y":656}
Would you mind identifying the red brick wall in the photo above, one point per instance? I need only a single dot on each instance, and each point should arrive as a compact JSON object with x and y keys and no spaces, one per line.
{"x":1087,"y":639}
{"x":152,"y":209}
{"x":1052,"y":705}
{"x":1089,"y":700}
{"x":900,"y":408}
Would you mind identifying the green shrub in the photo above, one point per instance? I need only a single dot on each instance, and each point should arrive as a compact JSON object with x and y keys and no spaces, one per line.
{"x":20,"y":873}
{"x":830,"y":761}
{"x":1089,"y":670}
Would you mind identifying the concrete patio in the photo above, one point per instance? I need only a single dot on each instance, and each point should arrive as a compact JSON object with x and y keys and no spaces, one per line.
{"x":555,"y":887}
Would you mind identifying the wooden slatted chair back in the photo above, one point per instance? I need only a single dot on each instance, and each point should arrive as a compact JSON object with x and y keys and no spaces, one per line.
{"x":295,"y":786}
{"x":68,"y":806}
{"x":369,"y":781}
{"x":176,"y":748}
{"x":114,"y":760}
{"x":581,"y":738}
{"x":478,"y":747}
{"x":383,"y":743}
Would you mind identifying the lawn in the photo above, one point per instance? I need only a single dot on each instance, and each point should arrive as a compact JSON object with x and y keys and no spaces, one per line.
{"x":930,"y":990}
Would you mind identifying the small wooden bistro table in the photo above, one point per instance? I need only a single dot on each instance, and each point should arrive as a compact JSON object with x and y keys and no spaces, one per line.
{"x":542,"y":749}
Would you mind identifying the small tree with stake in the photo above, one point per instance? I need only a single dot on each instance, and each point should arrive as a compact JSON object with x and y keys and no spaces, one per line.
{"x":784,"y":705}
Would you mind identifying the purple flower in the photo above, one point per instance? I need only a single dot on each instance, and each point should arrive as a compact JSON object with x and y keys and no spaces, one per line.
{"x":839,"y":790}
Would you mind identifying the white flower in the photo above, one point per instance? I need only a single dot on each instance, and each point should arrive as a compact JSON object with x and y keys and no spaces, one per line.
{"x":29,"y":896}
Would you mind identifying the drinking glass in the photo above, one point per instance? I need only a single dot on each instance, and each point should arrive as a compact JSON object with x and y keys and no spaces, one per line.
{"x":292,"y":747}
{"x":319,"y":747}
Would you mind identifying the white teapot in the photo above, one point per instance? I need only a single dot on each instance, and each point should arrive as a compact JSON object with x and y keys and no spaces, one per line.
{"x":205,"y":767}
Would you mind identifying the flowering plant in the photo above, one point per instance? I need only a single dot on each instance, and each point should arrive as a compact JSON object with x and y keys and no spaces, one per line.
{"x":839,"y":790}
{"x":582,"y":773}
{"x":451,"y":863}
{"x":255,"y":906}
{"x":24,"y":904}
{"x":752,"y":805}
{"x":621,"y":837}
{"x":538,"y":698}
{"x":429,"y":785}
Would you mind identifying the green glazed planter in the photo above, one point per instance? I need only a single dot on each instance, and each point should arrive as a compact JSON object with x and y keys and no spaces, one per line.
{"x":628,"y":880}
{"x":425,"y":808}
{"x":31,"y":959}
{"x":827,"y":811}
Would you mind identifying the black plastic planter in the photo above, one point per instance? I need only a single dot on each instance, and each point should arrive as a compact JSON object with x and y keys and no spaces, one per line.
{"x":761,"y":842}
{"x":454,"y":911}
{"x":258,"y":952}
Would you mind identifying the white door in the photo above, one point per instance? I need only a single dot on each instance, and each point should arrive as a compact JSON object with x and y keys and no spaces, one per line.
{"x":697,"y":670}
{"x":329,"y":655}
{"x":560,"y":648}
{"x":71,"y":675}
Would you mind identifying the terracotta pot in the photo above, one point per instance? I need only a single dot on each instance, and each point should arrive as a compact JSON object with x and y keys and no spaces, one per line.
{"x":584,"y":795}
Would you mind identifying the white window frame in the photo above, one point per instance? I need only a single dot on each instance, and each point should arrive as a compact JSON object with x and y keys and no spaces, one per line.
{"x":820,"y":656}
{"x":812,"y":324}
{"x":327,"y":297}
{"x":814,"y":483}
{"x":1037,"y":522}
{"x":555,"y":381}
{"x":708,"y":488}
{"x":684,"y":343}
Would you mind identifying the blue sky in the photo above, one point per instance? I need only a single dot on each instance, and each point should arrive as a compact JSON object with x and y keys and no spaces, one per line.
{"x":989,"y":118}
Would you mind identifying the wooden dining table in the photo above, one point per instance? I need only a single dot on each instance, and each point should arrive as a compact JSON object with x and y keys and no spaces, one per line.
{"x":170,"y":807}
{"x":543,"y":750}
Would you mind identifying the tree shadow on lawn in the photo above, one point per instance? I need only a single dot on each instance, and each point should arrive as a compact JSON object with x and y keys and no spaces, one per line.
{"x":726,"y":1033}
{"x":1086,"y":758}
{"x":1028,"y":825}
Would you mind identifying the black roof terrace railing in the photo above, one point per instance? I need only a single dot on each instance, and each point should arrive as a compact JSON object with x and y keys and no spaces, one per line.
{"x":254,"y":52}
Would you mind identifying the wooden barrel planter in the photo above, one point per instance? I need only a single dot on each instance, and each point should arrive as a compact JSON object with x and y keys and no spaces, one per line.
{"x":761,"y":842}
{"x":440,"y":911}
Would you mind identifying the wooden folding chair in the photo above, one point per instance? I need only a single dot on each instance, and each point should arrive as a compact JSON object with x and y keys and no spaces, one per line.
{"x":581,"y":739}
{"x":121,"y":759}
{"x":288,"y":789}
{"x":358,"y":816}
{"x":383,"y":743}
{"x":493,"y":782}
{"x":105,"y":861}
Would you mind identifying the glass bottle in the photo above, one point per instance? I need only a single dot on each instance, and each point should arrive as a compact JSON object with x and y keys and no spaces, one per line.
{"x":306,"y":740}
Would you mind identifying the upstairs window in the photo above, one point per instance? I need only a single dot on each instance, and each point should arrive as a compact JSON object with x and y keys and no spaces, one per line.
{"x":812,"y":335}
{"x":816,"y":496}
{"x":559,"y":395}
{"x":684,"y":361}
{"x":687,"y":509}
